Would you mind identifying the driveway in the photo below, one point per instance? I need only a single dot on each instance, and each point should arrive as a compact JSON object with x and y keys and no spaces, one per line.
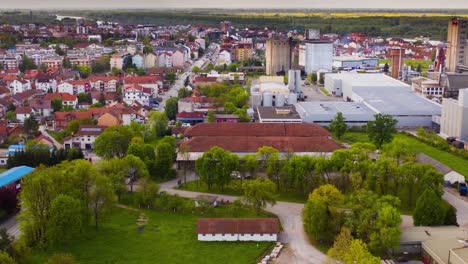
{"x":460,"y":203}
{"x":11,"y":225}
{"x":299,"y":251}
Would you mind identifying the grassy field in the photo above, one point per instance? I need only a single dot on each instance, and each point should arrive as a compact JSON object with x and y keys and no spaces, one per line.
{"x":413,"y":63}
{"x":234,"y":188}
{"x":454,"y":162}
{"x":168,"y":238}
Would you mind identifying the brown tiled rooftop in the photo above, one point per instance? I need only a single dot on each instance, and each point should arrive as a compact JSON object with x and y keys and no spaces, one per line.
{"x":238,"y":226}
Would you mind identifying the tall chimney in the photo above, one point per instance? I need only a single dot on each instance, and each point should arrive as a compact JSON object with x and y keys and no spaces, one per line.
{"x":397,"y":61}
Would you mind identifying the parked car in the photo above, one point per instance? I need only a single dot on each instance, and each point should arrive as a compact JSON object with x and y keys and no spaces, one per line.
{"x":462,"y":188}
{"x":235,"y":175}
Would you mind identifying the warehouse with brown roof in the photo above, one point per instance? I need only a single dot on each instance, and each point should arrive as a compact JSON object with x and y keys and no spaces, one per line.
{"x":245,"y":138}
{"x":238,"y":229}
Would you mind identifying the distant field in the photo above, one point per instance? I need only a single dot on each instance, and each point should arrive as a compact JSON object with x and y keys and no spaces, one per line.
{"x":349,"y":14}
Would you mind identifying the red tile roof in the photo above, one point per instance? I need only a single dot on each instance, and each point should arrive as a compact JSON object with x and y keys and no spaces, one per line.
{"x":190,"y":115}
{"x":62,"y":96}
{"x":257,"y":130}
{"x":23,"y":110}
{"x":238,"y":226}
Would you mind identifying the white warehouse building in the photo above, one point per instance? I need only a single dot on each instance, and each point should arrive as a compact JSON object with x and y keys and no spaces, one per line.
{"x":381,"y":94}
{"x":318,"y":55}
{"x":323,"y":112}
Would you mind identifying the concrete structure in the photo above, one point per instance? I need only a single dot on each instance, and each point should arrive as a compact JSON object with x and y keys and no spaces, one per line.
{"x":322,"y":113}
{"x":294,"y":81}
{"x":427,"y":87}
{"x":383,"y":94}
{"x":438,"y":245}
{"x":354,"y":62}
{"x":138,"y":60}
{"x":272,"y":91}
{"x":238,"y":229}
{"x":454,"y":118}
{"x":285,"y":114}
{"x":397,"y":56}
{"x":278,"y":55}
{"x":457,"y":45}
{"x":318,"y":55}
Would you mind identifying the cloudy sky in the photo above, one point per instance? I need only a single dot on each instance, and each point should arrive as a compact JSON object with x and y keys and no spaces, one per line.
{"x":116,"y":4}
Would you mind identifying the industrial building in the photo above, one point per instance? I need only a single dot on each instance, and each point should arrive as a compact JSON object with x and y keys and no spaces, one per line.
{"x":354,"y":62}
{"x":381,"y":94}
{"x":457,"y":45}
{"x":323,"y":112}
{"x":318,"y":55}
{"x":277,"y":55}
{"x":11,"y":178}
{"x":271,"y":90}
{"x":238,"y":229}
{"x":272,"y":114}
{"x":454,"y":118}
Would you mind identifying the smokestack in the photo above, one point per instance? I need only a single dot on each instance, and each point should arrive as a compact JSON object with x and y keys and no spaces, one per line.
{"x":397,"y":61}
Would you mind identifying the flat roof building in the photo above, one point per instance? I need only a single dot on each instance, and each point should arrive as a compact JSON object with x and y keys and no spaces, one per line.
{"x":323,"y":112}
{"x":13,"y":175}
{"x":454,"y":119}
{"x":285,"y":114}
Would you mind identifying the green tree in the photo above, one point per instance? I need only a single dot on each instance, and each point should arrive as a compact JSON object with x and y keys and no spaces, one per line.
{"x":259,"y":193}
{"x":65,"y":219}
{"x":61,"y":258}
{"x":427,"y":211}
{"x":170,"y":76}
{"x":158,"y":123}
{"x":10,"y":116}
{"x":164,"y":159}
{"x":382,"y":129}
{"x":134,"y":168}
{"x":56,"y":104}
{"x":340,"y":246}
{"x":31,"y":125}
{"x":184,"y":92}
{"x":113,"y":142}
{"x":358,"y":253}
{"x":249,"y":164}
{"x":338,"y":126}
{"x":6,"y":241}
{"x":27,"y":64}
{"x":171,"y":108}
{"x":102,"y":198}
{"x":147,"y":194}
{"x":196,"y":69}
{"x":211,"y":117}
{"x":387,"y":234}
{"x":316,"y":220}
{"x":216,"y":166}
{"x":328,"y":195}
{"x":84,"y":71}
{"x":6,"y":259}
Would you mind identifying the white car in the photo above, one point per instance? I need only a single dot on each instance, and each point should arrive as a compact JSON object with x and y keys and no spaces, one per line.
{"x":185,"y":125}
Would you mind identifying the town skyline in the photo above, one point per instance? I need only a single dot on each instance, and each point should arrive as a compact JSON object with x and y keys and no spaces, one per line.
{"x":230,"y":4}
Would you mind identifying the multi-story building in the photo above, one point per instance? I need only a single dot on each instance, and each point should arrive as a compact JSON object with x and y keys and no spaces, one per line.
{"x":81,"y":61}
{"x":454,"y":119}
{"x":84,"y":138}
{"x":457,"y":45}
{"x":243,"y":51}
{"x":318,"y":55}
{"x":278,"y":55}
{"x":117,"y":60}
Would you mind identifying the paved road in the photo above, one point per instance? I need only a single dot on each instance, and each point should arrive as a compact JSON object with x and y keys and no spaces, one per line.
{"x":11,"y":225}
{"x":56,"y":143}
{"x":300,"y":251}
{"x":460,"y":203}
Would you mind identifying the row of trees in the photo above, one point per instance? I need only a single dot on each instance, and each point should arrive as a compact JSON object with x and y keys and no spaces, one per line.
{"x":37,"y":154}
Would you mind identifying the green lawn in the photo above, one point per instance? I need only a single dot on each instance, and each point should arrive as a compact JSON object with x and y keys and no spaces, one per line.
{"x":454,"y":162}
{"x":168,"y":238}
{"x":234,"y":188}
{"x":413,"y":63}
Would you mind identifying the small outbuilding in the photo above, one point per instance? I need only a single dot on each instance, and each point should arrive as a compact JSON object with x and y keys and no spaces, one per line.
{"x":238,"y":229}
{"x":11,"y":178}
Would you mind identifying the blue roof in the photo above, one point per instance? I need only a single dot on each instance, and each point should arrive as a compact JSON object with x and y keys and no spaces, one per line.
{"x":14,"y":174}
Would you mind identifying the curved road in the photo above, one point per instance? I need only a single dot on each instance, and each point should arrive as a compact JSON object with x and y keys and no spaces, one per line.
{"x":300,"y":250}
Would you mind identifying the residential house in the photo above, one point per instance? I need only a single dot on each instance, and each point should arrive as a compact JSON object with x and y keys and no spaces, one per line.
{"x":65,"y":87}
{"x":178,"y":59}
{"x":70,"y":100}
{"x":23,"y":113}
{"x":195,"y":104}
{"x":224,"y":57}
{"x":42,"y":107}
{"x":104,"y":83}
{"x":19,"y":86}
{"x":117,"y":60}
{"x":136,"y":92}
{"x":62,"y":119}
{"x":190,"y":117}
{"x":84,"y":138}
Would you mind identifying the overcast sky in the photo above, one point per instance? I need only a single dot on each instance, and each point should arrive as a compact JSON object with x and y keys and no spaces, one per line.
{"x":115,"y":4}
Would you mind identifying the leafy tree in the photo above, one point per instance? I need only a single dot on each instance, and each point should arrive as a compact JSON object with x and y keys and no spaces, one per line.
{"x":164,"y":159}
{"x":211,"y":117}
{"x":56,"y":104}
{"x":158,"y":123}
{"x":386,"y":68}
{"x":249,"y":164}
{"x":6,"y":259}
{"x":328,"y":195}
{"x":133,"y":168}
{"x":170,"y":76}
{"x":229,"y":108}
{"x":316,"y":220}
{"x":65,"y":219}
{"x":381,"y":130}
{"x":427,"y":211}
{"x":147,"y":49}
{"x":387,"y":233}
{"x":341,"y":245}
{"x":148,"y":193}
{"x":171,"y":108}
{"x":84,"y":70}
{"x":10,"y":116}
{"x":113,"y":142}
{"x":27,"y":64}
{"x":184,"y":92}
{"x":338,"y":126}
{"x":31,"y":125}
{"x":450,"y":213}
{"x":6,"y":241}
{"x":196,"y":69}
{"x":61,"y":258}
{"x":102,"y":198}
{"x":259,"y":193}
{"x":358,"y":253}
{"x":216,"y":166}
